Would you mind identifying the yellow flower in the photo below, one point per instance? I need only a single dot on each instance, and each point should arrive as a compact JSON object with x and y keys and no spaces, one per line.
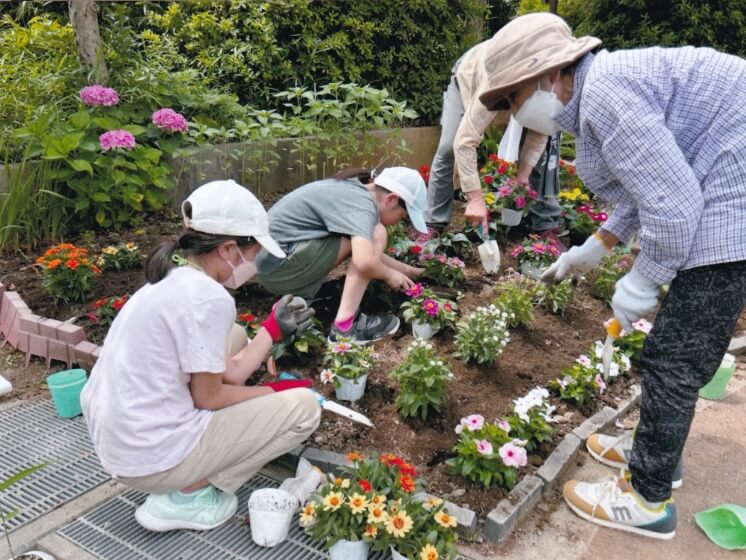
{"x":445,"y":520}
{"x":358,"y":503}
{"x":333,"y":501}
{"x":342,"y":482}
{"x":394,"y":506}
{"x":131,"y":246}
{"x":399,"y":525}
{"x":308,"y":515}
{"x":490,"y":199}
{"x":377,"y":500}
{"x":377,"y":515}
{"x":110,"y":250}
{"x":371,"y":531}
{"x":432,"y":503}
{"x":429,"y":552}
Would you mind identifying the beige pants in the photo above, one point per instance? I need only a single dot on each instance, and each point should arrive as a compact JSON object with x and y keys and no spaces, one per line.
{"x":240,"y":440}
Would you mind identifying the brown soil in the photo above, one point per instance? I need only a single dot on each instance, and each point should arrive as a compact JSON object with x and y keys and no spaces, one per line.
{"x":532,"y":358}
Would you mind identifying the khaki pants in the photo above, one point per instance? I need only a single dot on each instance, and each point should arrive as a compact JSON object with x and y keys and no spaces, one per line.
{"x":240,"y":440}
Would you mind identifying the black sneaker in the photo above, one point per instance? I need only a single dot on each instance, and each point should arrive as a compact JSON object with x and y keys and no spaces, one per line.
{"x":367,"y":328}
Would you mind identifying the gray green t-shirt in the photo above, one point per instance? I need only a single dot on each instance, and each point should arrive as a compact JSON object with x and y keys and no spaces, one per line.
{"x":317,"y":210}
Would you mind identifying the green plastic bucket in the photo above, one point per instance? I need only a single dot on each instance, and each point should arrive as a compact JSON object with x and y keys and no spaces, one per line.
{"x":66,"y":387}
{"x":715,"y":389}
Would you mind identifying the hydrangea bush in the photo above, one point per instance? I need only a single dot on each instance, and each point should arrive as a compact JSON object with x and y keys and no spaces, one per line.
{"x":482,"y":337}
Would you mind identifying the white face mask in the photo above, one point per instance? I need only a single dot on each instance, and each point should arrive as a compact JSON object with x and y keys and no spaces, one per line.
{"x":241,"y":273}
{"x":538,"y":111}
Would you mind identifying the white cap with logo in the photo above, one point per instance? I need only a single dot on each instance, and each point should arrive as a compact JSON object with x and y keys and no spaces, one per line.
{"x":410,"y":186}
{"x":227,"y":208}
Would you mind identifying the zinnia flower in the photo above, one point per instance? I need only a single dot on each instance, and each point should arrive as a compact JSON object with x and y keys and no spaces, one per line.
{"x":377,"y":501}
{"x":512,"y":455}
{"x":504,"y":191}
{"x":169,"y":120}
{"x":488,"y":179}
{"x":72,"y":264}
{"x":399,"y":524}
{"x":432,"y":503}
{"x":532,"y":194}
{"x":430,"y":306}
{"x":343,"y":482}
{"x":365,"y":486}
{"x":98,"y":96}
{"x":327,"y":376}
{"x":116,"y":139}
{"x":429,"y":552}
{"x":484,"y":447}
{"x":333,"y":501}
{"x":407,"y":469}
{"x":406,"y":483}
{"x":517,"y":250}
{"x":357,"y":503}
{"x":520,"y":202}
{"x":445,"y":520}
{"x":416,"y":249}
{"x":415,"y":291}
{"x":371,"y":531}
{"x":353,"y":456}
{"x":342,"y":348}
{"x":308,"y":515}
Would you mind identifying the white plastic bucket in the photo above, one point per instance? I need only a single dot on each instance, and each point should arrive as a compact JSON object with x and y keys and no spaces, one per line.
{"x":531,"y":270}
{"x":396,"y":556}
{"x":349,"y":550}
{"x":351,"y":389}
{"x":423,"y":330}
{"x":271,"y":511}
{"x":510,"y":217}
{"x":5,"y":386}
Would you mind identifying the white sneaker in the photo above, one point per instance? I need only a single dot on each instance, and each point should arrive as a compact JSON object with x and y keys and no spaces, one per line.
{"x":208,"y":509}
{"x":616,"y":505}
{"x":615,"y":451}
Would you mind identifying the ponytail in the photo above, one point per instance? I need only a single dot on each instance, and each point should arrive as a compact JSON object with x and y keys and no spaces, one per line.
{"x":360,"y":173}
{"x":160,"y":261}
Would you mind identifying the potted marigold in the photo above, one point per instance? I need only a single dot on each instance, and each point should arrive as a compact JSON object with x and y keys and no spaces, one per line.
{"x":428,"y":313}
{"x":348,"y":365}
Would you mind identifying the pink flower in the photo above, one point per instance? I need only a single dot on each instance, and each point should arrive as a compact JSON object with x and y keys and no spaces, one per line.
{"x":430,"y":306}
{"x":504,"y":191}
{"x":584,"y":208}
{"x":600,"y":383}
{"x":415,"y":291}
{"x":520,"y":202}
{"x":170,"y":120}
{"x":504,"y":425}
{"x":513,"y":455}
{"x":447,"y":307}
{"x":474,"y":422}
{"x":643,"y":326}
{"x":456,"y":262}
{"x":517,"y":250}
{"x":116,"y":139}
{"x":327,"y":376}
{"x":342,"y":348}
{"x":539,"y":248}
{"x":484,"y":447}
{"x":532,"y":194}
{"x":97,"y":96}
{"x":600,"y":217}
{"x":584,"y":360}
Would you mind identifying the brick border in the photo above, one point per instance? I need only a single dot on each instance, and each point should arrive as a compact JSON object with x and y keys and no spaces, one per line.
{"x":45,"y":338}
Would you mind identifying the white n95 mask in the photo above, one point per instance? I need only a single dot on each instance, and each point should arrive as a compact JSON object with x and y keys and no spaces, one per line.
{"x":538,"y":111}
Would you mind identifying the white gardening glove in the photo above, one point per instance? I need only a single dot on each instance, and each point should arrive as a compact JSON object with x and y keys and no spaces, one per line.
{"x":307,"y":479}
{"x":577,"y":260}
{"x":634,"y":297}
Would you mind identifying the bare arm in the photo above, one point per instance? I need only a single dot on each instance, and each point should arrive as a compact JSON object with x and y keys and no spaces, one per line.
{"x":248,"y":359}
{"x":210,"y":393}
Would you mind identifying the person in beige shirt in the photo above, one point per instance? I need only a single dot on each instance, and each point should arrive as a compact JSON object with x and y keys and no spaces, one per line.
{"x":464,"y":121}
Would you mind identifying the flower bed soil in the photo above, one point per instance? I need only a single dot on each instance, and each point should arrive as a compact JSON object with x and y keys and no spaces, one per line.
{"x":532,"y":358}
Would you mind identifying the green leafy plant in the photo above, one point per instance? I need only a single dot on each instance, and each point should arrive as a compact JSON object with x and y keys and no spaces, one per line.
{"x":531,"y":418}
{"x":106,"y":309}
{"x":517,"y":295}
{"x":345,"y":359}
{"x":604,"y":278}
{"x":557,"y":297}
{"x":537,"y":250}
{"x":584,"y":219}
{"x":67,"y":272}
{"x":631,"y":343}
{"x":424,"y":306}
{"x":121,"y":256}
{"x":300,"y":345}
{"x":423,"y":377}
{"x":483,"y":335}
{"x":454,"y":244}
{"x":486,"y":454}
{"x":442,"y":270}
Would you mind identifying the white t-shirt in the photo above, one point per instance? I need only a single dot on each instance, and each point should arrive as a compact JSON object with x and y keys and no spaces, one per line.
{"x":137,"y":402}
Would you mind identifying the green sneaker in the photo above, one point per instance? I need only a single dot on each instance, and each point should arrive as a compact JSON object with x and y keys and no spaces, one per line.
{"x":208,"y":509}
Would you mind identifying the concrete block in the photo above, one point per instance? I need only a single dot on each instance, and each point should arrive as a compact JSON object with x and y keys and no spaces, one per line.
{"x":30,"y":324}
{"x":502,"y":520}
{"x":631,"y":402}
{"x":466,"y":518}
{"x":71,"y":334}
{"x":557,"y":463}
{"x":84,"y":353}
{"x":48,"y":328}
{"x":327,"y":461}
{"x":23,"y":340}
{"x":599,"y":421}
{"x":290,"y":459}
{"x":37,"y":346}
{"x":737,"y":345}
{"x":57,"y":350}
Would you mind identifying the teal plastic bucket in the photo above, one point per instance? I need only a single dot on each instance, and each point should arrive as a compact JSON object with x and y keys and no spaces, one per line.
{"x":715,"y":389}
{"x":66,"y":387}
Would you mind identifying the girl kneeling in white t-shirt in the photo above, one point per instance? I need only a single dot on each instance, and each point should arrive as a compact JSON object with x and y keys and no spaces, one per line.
{"x":166,"y":404}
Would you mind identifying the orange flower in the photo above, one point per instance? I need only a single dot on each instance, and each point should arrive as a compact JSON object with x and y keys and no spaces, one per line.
{"x":119,"y":303}
{"x":95,"y":269}
{"x":54,"y":263}
{"x":352,"y":457}
{"x":72,"y":264}
{"x":406,"y":483}
{"x":52,"y":251}
{"x":99,"y":303}
{"x":390,"y":459}
{"x":407,"y":469}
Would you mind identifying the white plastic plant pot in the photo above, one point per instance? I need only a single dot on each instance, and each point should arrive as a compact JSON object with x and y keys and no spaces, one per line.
{"x":349,"y":550}
{"x":34,"y":555}
{"x":271,"y":511}
{"x":531,"y":270}
{"x":5,"y":386}
{"x":396,"y":556}
{"x":351,"y":389}
{"x":510,"y":217}
{"x":424,"y":331}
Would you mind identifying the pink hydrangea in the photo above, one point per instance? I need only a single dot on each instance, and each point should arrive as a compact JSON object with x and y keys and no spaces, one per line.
{"x":474,"y":422}
{"x":513,"y":455}
{"x":484,"y":447}
{"x":116,"y":139}
{"x":99,"y":96}
{"x":170,"y":120}
{"x":415,"y":291}
{"x":430,"y":306}
{"x":520,"y":202}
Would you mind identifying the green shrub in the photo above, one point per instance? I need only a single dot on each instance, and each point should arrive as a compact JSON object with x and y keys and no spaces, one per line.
{"x":604,"y":278}
{"x":517,"y":296}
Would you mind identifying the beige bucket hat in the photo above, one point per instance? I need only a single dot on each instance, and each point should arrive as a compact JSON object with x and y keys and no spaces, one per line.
{"x":526,"y":48}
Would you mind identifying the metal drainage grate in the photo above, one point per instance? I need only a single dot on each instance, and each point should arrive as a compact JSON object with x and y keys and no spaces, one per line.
{"x":32,"y":433}
{"x":110,"y":532}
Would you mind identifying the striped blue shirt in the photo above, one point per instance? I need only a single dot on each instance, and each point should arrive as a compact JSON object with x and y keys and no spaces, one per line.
{"x":661,"y":133}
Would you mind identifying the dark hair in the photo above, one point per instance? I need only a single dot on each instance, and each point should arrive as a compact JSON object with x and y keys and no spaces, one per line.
{"x":360,"y":173}
{"x":190,"y":242}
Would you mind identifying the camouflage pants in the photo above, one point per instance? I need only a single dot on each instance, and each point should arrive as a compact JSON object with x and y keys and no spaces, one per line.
{"x":681,"y":354}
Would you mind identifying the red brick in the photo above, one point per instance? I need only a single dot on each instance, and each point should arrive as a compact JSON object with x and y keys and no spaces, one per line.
{"x":71,"y":334}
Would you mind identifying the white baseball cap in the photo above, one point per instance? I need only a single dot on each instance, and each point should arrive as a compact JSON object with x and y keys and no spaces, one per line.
{"x":227,"y":208}
{"x":410,"y":186}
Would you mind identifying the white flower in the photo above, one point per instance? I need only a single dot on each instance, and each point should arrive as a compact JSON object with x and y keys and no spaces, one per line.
{"x":598,"y":348}
{"x":613,"y":370}
{"x":327,"y":376}
{"x":584,"y":360}
{"x":625,"y":362}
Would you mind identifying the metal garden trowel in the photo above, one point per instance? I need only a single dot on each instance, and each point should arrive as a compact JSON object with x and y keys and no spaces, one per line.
{"x":613,"y":330}
{"x":489,"y":252}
